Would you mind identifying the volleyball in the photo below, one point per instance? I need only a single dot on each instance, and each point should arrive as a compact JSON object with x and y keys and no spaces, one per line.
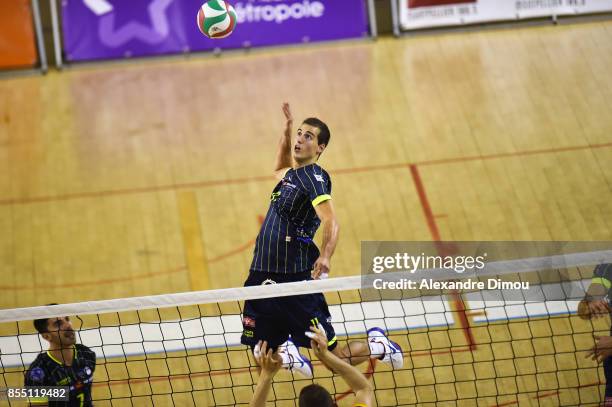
{"x":216,"y":19}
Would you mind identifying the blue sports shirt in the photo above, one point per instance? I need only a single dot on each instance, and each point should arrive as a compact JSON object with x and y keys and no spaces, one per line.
{"x":285,"y":242}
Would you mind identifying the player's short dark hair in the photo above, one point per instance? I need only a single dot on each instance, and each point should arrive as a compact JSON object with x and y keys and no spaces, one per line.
{"x":324,"y":134}
{"x":314,"y":395}
{"x":42,"y":324}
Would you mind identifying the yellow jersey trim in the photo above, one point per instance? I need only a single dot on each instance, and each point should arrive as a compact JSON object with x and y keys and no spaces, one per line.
{"x":332,"y":341}
{"x":53,"y":359}
{"x":321,"y":198}
{"x":57,"y":361}
{"x":600,"y":280}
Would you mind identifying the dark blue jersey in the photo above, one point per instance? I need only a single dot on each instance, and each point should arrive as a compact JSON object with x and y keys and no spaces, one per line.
{"x":603,"y":275}
{"x":48,"y":371}
{"x":285,"y":242}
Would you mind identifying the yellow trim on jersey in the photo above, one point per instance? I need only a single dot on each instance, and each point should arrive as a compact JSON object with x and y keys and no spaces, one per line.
{"x":57,"y":361}
{"x":53,"y":359}
{"x":321,"y":198}
{"x":332,"y":341}
{"x":603,"y":281}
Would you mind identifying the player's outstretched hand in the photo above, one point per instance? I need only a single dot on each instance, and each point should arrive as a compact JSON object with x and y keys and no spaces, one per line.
{"x":270,"y":362}
{"x":602,"y":348}
{"x":289,"y":118}
{"x":321,"y":268}
{"x":318,"y":341}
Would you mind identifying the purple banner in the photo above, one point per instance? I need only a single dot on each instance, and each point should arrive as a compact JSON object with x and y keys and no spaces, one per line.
{"x":111,"y":29}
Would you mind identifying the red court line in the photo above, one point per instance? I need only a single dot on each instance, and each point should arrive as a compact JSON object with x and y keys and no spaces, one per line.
{"x":514,"y":154}
{"x":232,"y":252}
{"x":550,"y":394}
{"x":75,"y":284}
{"x":354,"y":170}
{"x":429,"y":216}
{"x":441,"y":352}
{"x":508,"y":403}
{"x":463,"y":320}
{"x":244,"y":180}
{"x":136,"y":190}
{"x":544,"y":395}
{"x":443,"y":250}
{"x":582,"y":386}
{"x":246,"y":246}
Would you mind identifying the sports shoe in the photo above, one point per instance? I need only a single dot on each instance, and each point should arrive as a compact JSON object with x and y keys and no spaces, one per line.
{"x":393,"y":352}
{"x":294,"y":360}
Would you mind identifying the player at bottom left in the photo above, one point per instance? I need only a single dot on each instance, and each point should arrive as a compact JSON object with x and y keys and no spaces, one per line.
{"x":65,"y":363}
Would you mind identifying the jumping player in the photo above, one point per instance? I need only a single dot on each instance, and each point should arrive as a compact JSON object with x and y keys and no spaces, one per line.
{"x":285,"y":252}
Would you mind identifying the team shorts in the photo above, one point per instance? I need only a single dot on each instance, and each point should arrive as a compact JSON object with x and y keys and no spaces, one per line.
{"x":275,"y":319}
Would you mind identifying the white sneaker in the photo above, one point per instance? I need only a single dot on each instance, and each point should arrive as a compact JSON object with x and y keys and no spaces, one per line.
{"x":393,"y":352}
{"x":294,"y":360}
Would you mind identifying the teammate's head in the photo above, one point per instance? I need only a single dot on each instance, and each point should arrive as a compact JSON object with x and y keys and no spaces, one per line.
{"x":312,"y":138}
{"x":58,"y":331}
{"x":314,"y":395}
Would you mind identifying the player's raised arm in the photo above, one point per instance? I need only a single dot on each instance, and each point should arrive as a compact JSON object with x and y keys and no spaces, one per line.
{"x":353,"y":377}
{"x":283,"y":155}
{"x":331,"y":230}
{"x":270,"y":363}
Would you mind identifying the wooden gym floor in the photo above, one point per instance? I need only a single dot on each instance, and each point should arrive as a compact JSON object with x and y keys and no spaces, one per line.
{"x":152,"y":177}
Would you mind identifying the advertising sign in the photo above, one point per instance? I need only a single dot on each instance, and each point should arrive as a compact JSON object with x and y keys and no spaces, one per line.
{"x":415,"y":14}
{"x":108,"y":29}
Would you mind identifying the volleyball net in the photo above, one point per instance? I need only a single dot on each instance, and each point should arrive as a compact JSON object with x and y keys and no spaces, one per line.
{"x":461,"y":347}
